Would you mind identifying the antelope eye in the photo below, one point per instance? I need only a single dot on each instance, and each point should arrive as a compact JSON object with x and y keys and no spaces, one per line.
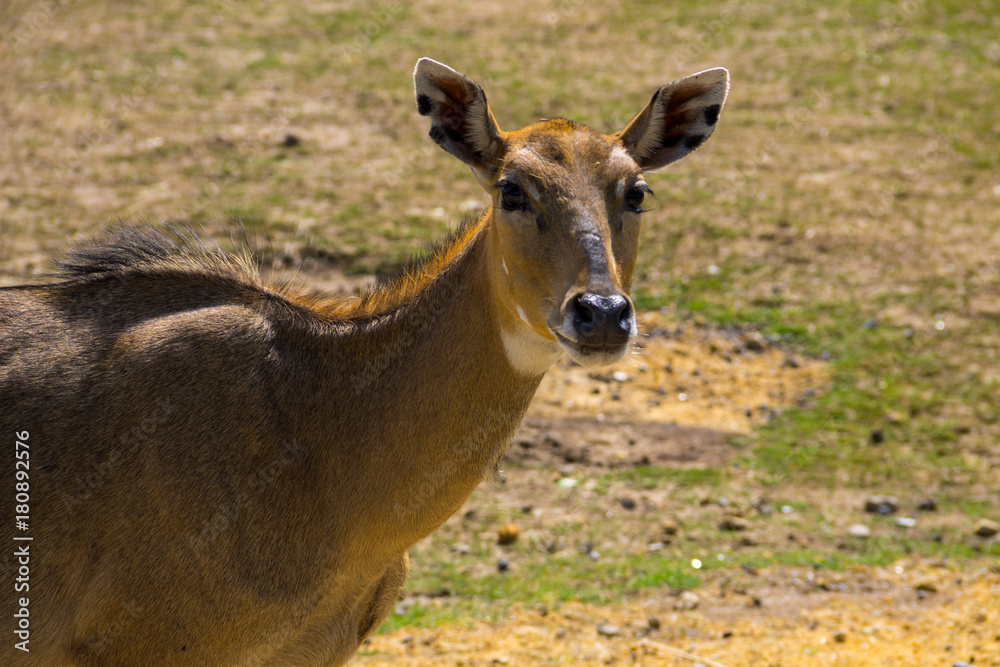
{"x":511,"y":196}
{"x":635,"y":197}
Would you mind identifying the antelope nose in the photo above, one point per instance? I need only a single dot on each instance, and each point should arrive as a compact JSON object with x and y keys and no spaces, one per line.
{"x":603,"y":321}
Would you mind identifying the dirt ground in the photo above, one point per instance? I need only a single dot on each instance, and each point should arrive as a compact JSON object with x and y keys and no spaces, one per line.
{"x":909,"y":615}
{"x":856,"y":165}
{"x":925,"y":612}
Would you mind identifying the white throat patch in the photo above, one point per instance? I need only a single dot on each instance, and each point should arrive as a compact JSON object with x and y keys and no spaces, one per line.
{"x":527,"y":352}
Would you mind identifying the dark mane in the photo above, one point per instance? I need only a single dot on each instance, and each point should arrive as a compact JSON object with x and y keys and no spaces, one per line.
{"x":132,"y":250}
{"x":141,"y":251}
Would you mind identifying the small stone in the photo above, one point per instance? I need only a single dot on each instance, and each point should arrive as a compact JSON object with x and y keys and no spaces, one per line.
{"x":926,"y":587}
{"x":653,"y":622}
{"x":754,"y":342}
{"x":878,"y":437}
{"x":619,"y":376}
{"x":906,"y":522}
{"x":627,"y":503}
{"x":503,"y":565}
{"x":733,"y":523}
{"x":687,"y":601}
{"x":881,"y":505}
{"x":670,"y":527}
{"x":560,"y":633}
{"x":986,"y":528}
{"x":291,"y":140}
{"x":927,"y":505}
{"x":961,"y":663}
{"x":858,"y":530}
{"x":608,"y":630}
{"x":543,"y":610}
{"x":508,"y":533}
{"x":840,"y":636}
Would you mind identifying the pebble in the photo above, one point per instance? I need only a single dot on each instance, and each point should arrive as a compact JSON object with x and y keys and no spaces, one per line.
{"x":754,"y":342}
{"x":733,"y":523}
{"x":653,"y":622}
{"x":503,"y":565}
{"x":881,"y":505}
{"x":670,"y":527}
{"x":608,"y":630}
{"x":858,"y":530}
{"x":927,"y":505}
{"x":687,"y":601}
{"x":986,"y":528}
{"x":961,"y":663}
{"x":906,"y":522}
{"x":508,"y":533}
{"x":627,"y":503}
{"x":840,"y":636}
{"x":619,"y":376}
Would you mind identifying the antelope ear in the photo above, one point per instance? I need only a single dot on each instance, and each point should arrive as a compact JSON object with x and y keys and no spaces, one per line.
{"x":461,"y":120}
{"x":679,"y":118}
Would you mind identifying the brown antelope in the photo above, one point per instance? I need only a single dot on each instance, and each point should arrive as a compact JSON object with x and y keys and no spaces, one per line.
{"x":220,"y":471}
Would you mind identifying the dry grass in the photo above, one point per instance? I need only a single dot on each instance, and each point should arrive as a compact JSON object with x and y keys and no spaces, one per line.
{"x":847,"y":205}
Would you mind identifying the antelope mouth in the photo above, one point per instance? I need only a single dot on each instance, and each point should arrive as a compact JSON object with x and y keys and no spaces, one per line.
{"x":591,"y":355}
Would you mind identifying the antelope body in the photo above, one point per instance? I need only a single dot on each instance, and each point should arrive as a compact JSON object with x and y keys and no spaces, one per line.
{"x":226,"y":472}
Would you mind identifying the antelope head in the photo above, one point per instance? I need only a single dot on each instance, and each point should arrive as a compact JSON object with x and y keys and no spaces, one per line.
{"x":563,"y":226}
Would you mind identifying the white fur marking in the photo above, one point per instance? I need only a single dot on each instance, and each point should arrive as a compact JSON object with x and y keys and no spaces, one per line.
{"x":503,"y":263}
{"x":520,"y":313}
{"x":527,"y":352}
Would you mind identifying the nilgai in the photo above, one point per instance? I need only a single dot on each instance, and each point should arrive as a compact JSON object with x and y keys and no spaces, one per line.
{"x":202,"y":468}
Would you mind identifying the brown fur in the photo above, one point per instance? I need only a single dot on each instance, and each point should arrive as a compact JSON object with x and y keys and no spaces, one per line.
{"x":227,"y":472}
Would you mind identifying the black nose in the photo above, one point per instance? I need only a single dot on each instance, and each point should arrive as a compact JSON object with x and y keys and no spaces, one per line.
{"x":602,"y":321}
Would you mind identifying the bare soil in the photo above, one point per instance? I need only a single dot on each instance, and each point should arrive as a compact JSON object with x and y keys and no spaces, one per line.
{"x":910,"y":615}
